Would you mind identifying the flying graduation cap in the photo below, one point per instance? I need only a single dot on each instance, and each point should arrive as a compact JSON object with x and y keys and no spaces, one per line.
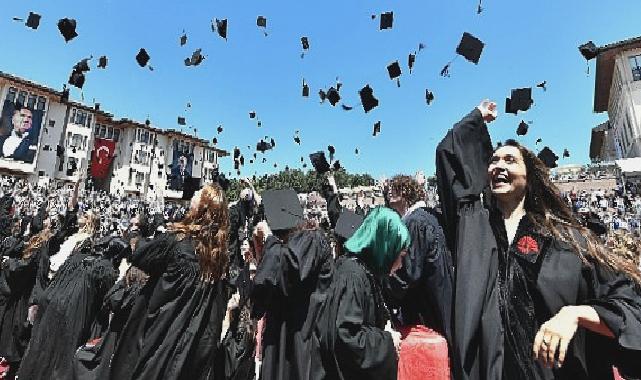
{"x":67,"y":27}
{"x":589,"y":50}
{"x":220,"y":26}
{"x":566,"y":153}
{"x":319,"y":162}
{"x":519,"y":100}
{"x":77,"y":77}
{"x":142,"y":57}
{"x":377,"y":128}
{"x":522,"y":128}
{"x":387,"y":20}
{"x":305,"y":89}
{"x":196,"y":58}
{"x":333,"y":96}
{"x":394,"y":71}
{"x":183,"y":39}
{"x":411,"y":59}
{"x":429,"y":97}
{"x":102,"y":62}
{"x":181,"y":121}
{"x":305,"y":42}
{"x":261,"y":22}
{"x":470,"y":48}
{"x":33,"y":21}
{"x":368,"y":100}
{"x":548,"y":157}
{"x":543,"y":85}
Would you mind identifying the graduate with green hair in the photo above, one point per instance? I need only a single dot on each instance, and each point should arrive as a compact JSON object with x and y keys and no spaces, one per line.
{"x":357,"y":341}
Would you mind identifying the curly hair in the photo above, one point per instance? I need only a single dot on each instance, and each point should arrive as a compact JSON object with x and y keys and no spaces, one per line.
{"x":550,"y":213}
{"x":407,"y":188}
{"x":208,"y":225}
{"x":36,"y":242}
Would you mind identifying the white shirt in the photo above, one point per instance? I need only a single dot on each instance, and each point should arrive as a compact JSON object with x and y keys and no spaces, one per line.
{"x":11,"y":143}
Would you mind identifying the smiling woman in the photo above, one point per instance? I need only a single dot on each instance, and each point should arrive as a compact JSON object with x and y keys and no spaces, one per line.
{"x":510,"y":246}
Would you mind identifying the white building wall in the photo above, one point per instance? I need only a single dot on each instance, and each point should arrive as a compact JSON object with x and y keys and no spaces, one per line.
{"x":624,"y":109}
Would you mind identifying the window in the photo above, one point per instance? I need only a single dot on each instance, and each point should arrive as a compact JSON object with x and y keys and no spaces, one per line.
{"x":22,"y":96}
{"x":635,"y":64}
{"x":42,"y":103}
{"x":31,"y":103}
{"x":116,"y":134}
{"x":11,"y":94}
{"x":140,"y":177}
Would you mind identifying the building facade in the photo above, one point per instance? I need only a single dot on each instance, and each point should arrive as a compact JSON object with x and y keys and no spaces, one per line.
{"x":66,"y":141}
{"x":618,"y":91}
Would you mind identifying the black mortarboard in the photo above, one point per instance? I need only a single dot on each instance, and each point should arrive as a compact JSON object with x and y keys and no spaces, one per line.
{"x":190,"y":186}
{"x":196,"y":58}
{"x":221,"y":28}
{"x":332,"y":151}
{"x":142,"y":58}
{"x":522,"y":128}
{"x":566,"y":153}
{"x":367,"y":98}
{"x":181,"y":120}
{"x":33,"y":21}
{"x":261,"y":21}
{"x":67,"y":28}
{"x":323,"y":95}
{"x":236,"y":165}
{"x":264,"y":160}
{"x":356,"y":151}
{"x":77,"y":79}
{"x":259,"y":124}
{"x":548,"y":157}
{"x":520,"y":100}
{"x":273,"y":143}
{"x":236,"y":153}
{"x":410,"y":61}
{"x":319,"y":162}
{"x":214,"y":141}
{"x":394,"y":70}
{"x":470,"y":48}
{"x":377,"y":128}
{"x":102,"y":62}
{"x":387,"y":20}
{"x":333,"y":96}
{"x":538,"y":140}
{"x":263,"y":146}
{"x":305,"y":89}
{"x":252,"y":114}
{"x":346,"y":107}
{"x":347,"y":223}
{"x":219,"y":129}
{"x":183,"y":39}
{"x":297,"y":140}
{"x":589,"y":50}
{"x":543,"y":85}
{"x":337,"y":165}
{"x":305,"y":42}
{"x":275,"y":165}
{"x":65,"y":94}
{"x":429,"y":97}
{"x":82,"y":65}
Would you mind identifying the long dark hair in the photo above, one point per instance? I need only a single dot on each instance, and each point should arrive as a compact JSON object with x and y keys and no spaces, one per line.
{"x":551,"y":214}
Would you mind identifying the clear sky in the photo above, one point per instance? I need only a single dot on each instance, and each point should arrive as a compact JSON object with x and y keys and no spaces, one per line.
{"x":526,"y":42}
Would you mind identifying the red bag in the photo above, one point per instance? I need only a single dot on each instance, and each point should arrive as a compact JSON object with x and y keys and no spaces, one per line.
{"x":423,"y":355}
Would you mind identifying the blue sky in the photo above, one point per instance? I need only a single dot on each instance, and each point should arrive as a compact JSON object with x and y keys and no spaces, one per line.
{"x":526,"y":42}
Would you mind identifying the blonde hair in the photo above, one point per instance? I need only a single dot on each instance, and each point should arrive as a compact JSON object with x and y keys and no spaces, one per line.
{"x":208,"y":225}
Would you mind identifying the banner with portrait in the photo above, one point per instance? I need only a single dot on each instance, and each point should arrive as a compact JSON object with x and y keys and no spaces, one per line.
{"x":181,"y":168}
{"x":19,"y":134}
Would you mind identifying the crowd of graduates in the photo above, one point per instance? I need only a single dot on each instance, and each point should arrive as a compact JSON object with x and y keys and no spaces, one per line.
{"x":502,"y":269}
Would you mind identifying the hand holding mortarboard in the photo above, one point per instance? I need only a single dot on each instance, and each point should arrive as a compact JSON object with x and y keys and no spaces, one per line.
{"x":489,"y":110}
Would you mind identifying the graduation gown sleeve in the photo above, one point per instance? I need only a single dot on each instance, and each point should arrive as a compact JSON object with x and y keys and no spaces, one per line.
{"x":461,"y":169}
{"x":154,"y":255}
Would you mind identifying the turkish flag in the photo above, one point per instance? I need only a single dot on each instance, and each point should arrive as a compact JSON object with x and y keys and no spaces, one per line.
{"x":101,"y":157}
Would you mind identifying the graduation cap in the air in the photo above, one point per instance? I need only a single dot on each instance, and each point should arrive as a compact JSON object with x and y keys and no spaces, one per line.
{"x":368,"y":100}
{"x":190,"y":186}
{"x":356,"y":151}
{"x":219,"y":129}
{"x":479,"y":9}
{"x":322,"y":95}
{"x":261,"y":22}
{"x":67,"y":28}
{"x":332,"y":152}
{"x":429,"y":97}
{"x":411,"y":59}
{"x":377,"y":128}
{"x":346,"y":107}
{"x":538,"y":140}
{"x":387,"y":20}
{"x":33,"y":21}
{"x":142,"y":57}
{"x":102,"y":62}
{"x":348,"y":222}
{"x":319,"y":162}
{"x":305,"y":42}
{"x":548,"y":157}
{"x":470,"y":47}
{"x":77,"y":79}
{"x":196,"y":58}
{"x":181,"y":120}
{"x":394,"y":71}
{"x":183,"y":39}
{"x":543,"y":85}
{"x":520,"y":100}
{"x":305,"y":89}
{"x":263,"y":146}
{"x":589,"y":50}
{"x":252,"y":114}
{"x":236,"y":153}
{"x":220,"y":26}
{"x":522,"y":128}
{"x":333,"y":96}
{"x":214,"y":141}
{"x":566,"y":153}
{"x":297,"y":139}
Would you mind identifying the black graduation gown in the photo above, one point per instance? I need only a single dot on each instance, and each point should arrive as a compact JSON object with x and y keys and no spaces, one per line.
{"x":536,"y":284}
{"x":422,"y":287}
{"x":92,"y":361}
{"x":289,"y":288}
{"x":236,"y":361}
{"x":354,"y":343}
{"x":22,"y":282}
{"x":174,"y":327}
{"x":461,"y":169}
{"x":66,"y":310}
